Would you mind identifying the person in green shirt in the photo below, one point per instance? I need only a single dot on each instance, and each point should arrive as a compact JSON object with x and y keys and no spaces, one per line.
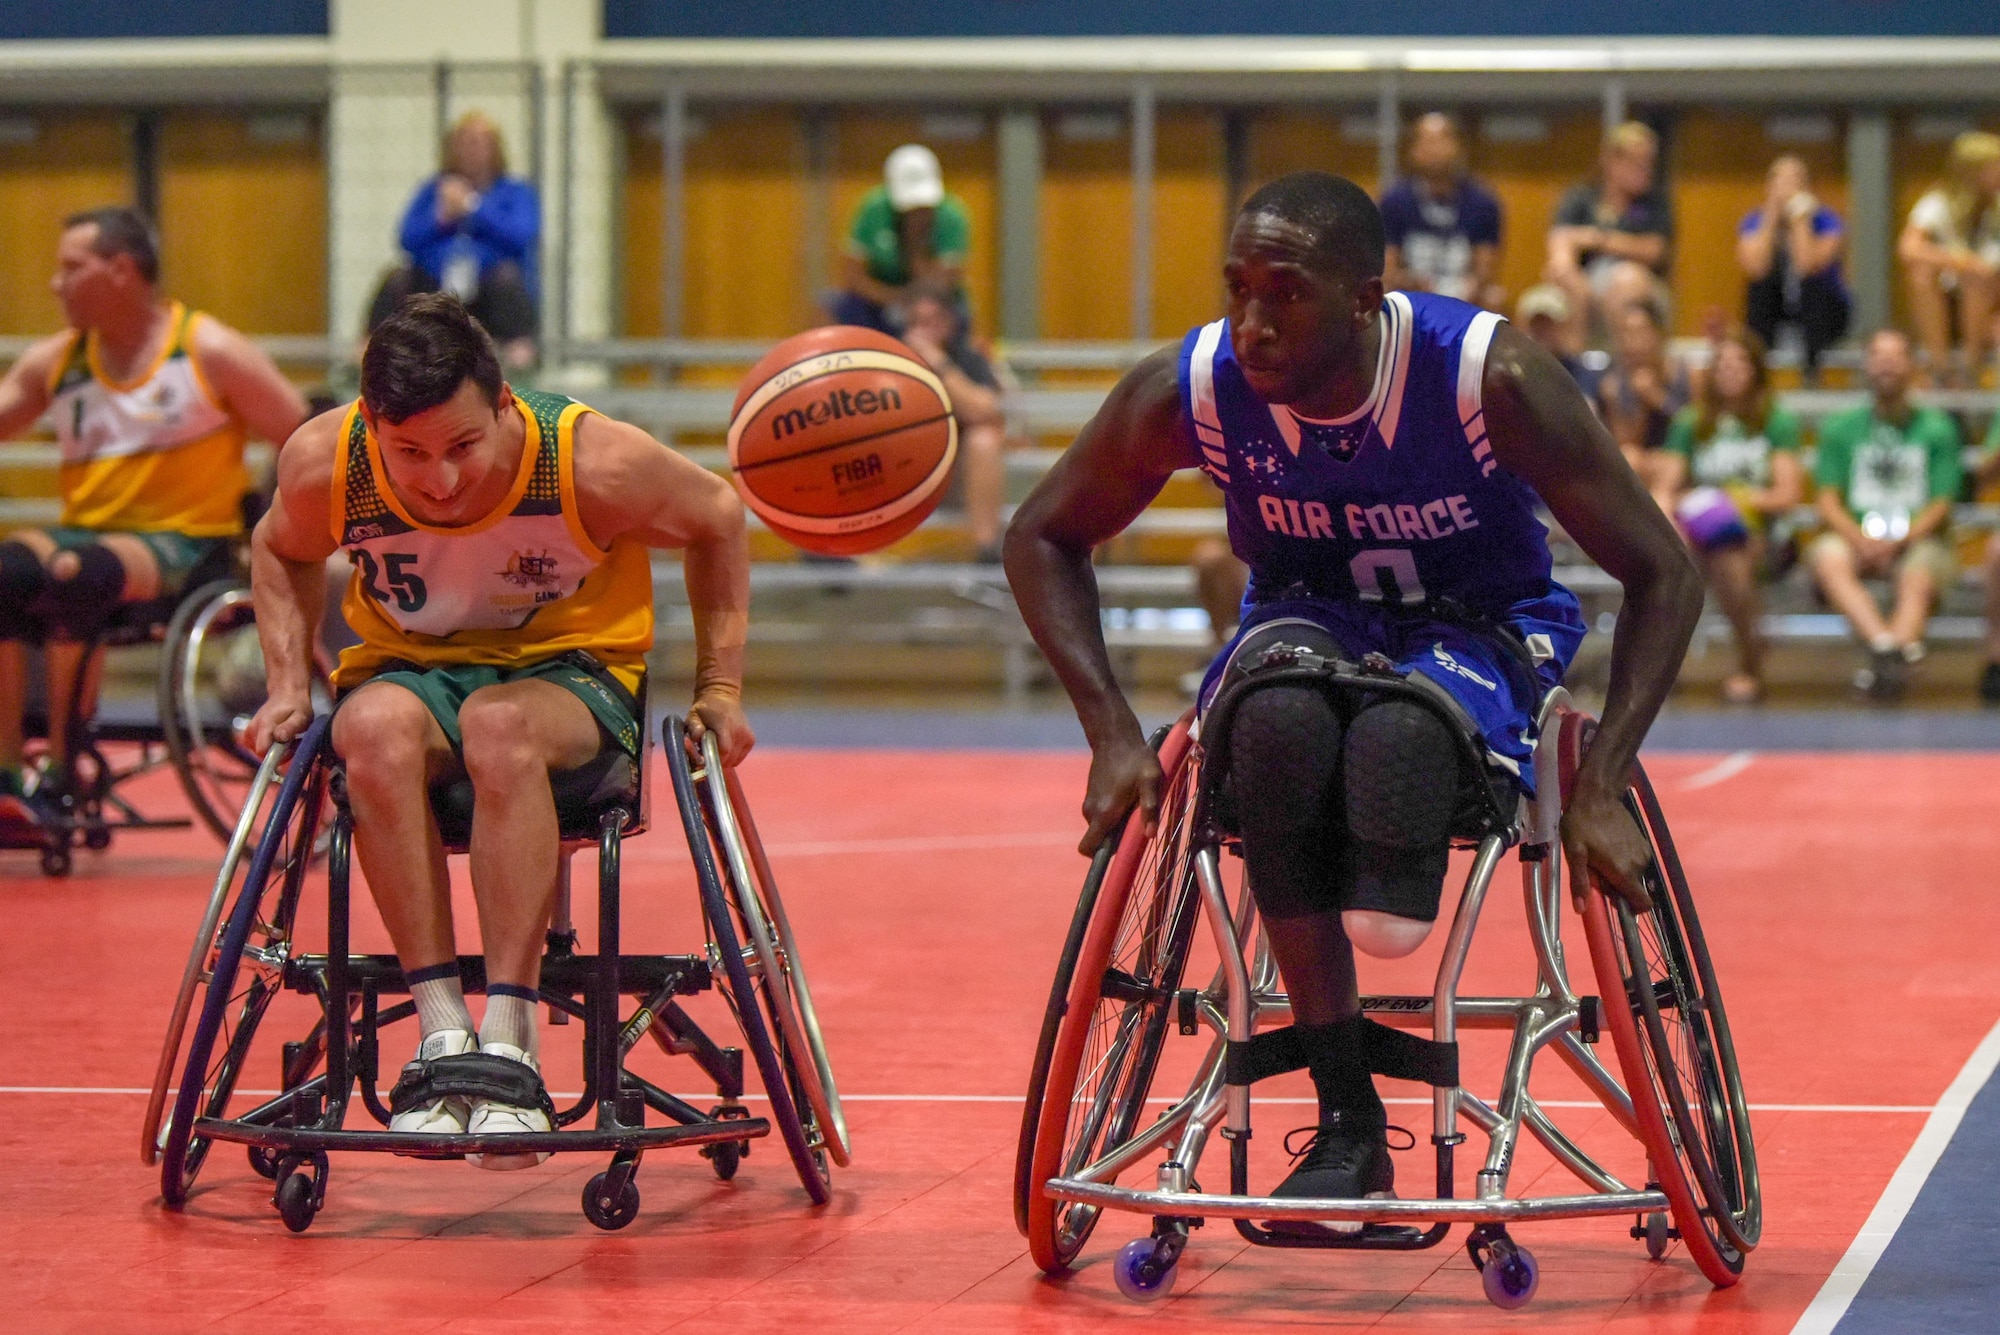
{"x":903,"y":273}
{"x":1888,"y":474}
{"x":1988,"y":476}
{"x":1729,"y":467}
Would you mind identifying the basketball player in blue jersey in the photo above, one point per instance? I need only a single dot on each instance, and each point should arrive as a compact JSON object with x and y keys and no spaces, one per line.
{"x":1381,"y":458}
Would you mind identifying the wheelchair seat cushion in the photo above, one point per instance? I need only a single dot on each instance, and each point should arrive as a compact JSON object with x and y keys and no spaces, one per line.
{"x":470,"y":1075}
{"x":609,"y":780}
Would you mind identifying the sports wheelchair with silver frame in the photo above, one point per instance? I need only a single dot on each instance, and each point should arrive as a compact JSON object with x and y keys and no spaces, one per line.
{"x":208,"y":683}
{"x":1120,"y":994}
{"x":240,"y":963}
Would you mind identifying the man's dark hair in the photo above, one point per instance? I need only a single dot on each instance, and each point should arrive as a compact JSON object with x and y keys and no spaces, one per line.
{"x":122,"y":231}
{"x":1346,"y":226}
{"x":418,"y":357}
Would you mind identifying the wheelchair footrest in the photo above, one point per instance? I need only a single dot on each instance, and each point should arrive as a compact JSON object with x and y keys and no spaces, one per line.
{"x":293,"y":1140}
{"x":563,"y":974}
{"x":1419,"y":1212}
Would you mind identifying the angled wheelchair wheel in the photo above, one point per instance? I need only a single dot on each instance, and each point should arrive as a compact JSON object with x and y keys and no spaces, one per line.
{"x":782,"y":989}
{"x":211,"y":682}
{"x":1673,"y":1041}
{"x":246,"y":969}
{"x":1089,"y":1087}
{"x":778,"y":1069}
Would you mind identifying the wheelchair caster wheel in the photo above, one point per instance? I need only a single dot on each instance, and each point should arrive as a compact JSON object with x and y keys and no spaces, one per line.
{"x":1657,"y":1234}
{"x":1511,"y":1276}
{"x":97,"y":838}
{"x":1140,"y":1274}
{"x":296,"y":1198}
{"x":264,"y":1163}
{"x":55,"y":862}
{"x":607,"y":1209}
{"x":723,"y":1156}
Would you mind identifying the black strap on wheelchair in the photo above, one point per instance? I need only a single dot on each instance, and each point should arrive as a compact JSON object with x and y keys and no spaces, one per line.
{"x":1390,"y":1052}
{"x":472,"y":1075}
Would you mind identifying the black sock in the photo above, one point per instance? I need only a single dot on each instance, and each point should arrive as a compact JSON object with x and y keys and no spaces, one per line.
{"x":1340,"y":1073}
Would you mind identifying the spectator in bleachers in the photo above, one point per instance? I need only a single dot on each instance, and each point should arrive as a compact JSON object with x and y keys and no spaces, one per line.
{"x":1986,"y":478}
{"x":1888,"y":474}
{"x":1790,"y":248}
{"x":908,"y":235}
{"x":1731,"y":467}
{"x":1642,"y":390}
{"x":1442,"y":224}
{"x":932,"y":329}
{"x":1612,"y":238}
{"x":475,"y":232}
{"x":1950,"y":249}
{"x":1543,"y":311}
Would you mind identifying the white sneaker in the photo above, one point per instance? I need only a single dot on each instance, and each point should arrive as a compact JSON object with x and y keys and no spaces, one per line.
{"x":441,"y":1116}
{"x":490,"y":1118}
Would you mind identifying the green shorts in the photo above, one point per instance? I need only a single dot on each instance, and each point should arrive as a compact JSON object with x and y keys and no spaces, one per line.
{"x":444,"y":690}
{"x":184,"y":562}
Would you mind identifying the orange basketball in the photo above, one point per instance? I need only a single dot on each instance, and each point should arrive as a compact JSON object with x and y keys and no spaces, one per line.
{"x":842,"y":440}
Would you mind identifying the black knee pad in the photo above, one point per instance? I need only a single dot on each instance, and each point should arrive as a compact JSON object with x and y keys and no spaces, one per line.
{"x":1400,"y":769}
{"x":22,"y":580}
{"x":81,"y":606}
{"x":1284,"y":760}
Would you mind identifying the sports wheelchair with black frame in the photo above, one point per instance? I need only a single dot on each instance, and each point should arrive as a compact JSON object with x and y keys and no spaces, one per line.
{"x":208,"y":683}
{"x":1121,"y":996}
{"x":241,"y":962}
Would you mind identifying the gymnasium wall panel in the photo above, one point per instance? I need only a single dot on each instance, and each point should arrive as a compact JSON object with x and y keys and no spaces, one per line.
{"x":1190,"y":220}
{"x":243,"y":217}
{"x":52,"y":164}
{"x":1086,"y":224}
{"x":1528,"y":159}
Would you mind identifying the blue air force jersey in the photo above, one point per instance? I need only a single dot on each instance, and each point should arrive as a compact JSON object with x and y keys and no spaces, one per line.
{"x":1400,"y":502}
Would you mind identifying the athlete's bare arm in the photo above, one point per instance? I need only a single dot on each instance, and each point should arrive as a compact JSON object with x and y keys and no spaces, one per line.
{"x":1112,"y":472}
{"x":630,"y":485}
{"x":1543,"y":431}
{"x":288,"y":554}
{"x":251,"y":386}
{"x":24,"y":390}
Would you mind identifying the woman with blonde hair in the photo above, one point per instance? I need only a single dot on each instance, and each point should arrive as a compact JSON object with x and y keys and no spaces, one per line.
{"x":1950,"y":249}
{"x":1730,"y":467}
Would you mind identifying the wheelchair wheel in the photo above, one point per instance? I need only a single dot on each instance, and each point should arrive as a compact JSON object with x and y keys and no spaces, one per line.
{"x":1117,"y":997}
{"x":781,"y":979}
{"x":211,"y":681}
{"x":234,"y":1000}
{"x":777,"y":1069}
{"x":1673,"y":1042}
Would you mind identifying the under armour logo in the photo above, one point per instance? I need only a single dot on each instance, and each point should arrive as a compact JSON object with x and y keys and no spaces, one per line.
{"x":1267,"y":465}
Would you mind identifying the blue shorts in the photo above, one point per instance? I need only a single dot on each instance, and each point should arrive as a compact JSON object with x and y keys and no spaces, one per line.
{"x":1485,"y":677}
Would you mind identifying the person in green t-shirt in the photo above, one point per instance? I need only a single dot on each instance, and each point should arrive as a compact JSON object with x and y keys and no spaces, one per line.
{"x":1730,"y":466}
{"x":1989,"y":476}
{"x":1888,"y":474}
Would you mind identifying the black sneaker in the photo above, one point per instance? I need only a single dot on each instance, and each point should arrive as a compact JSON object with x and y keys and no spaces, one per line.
{"x":1886,"y":677}
{"x":1989,"y":684}
{"x":1345,"y":1158}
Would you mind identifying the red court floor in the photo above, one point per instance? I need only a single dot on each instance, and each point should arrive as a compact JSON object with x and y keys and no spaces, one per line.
{"x":1848,"y":900}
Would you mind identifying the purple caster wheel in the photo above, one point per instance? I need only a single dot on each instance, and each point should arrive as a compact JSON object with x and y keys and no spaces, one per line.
{"x":1141,"y":1275}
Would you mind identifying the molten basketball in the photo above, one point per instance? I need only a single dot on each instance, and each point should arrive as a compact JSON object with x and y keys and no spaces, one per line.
{"x":842,"y":440}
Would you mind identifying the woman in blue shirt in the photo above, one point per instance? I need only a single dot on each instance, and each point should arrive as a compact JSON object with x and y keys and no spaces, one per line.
{"x":1790,"y":248}
{"x":474,"y":231}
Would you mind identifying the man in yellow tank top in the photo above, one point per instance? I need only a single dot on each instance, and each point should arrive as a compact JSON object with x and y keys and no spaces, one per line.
{"x":502,"y":591}
{"x":151,"y":405}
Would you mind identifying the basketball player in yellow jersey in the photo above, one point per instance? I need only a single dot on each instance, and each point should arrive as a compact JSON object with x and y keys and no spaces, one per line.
{"x":503,"y":593}
{"x":151,"y":405}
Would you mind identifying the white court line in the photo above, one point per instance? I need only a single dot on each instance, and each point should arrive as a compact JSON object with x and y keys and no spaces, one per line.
{"x":1016,"y":1098}
{"x":1832,"y":1301}
{"x":1722,"y":771}
{"x":923,"y":843}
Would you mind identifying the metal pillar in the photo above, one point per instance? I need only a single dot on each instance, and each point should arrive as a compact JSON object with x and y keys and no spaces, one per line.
{"x":557,"y":276}
{"x":1019,"y":150}
{"x":1614,"y":104}
{"x":1871,"y":217}
{"x":820,"y":131}
{"x":1388,"y":132}
{"x":1143,"y":154}
{"x":673,"y":210}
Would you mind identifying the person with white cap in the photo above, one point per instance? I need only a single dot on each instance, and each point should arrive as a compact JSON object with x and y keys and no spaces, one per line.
{"x":903,"y":274}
